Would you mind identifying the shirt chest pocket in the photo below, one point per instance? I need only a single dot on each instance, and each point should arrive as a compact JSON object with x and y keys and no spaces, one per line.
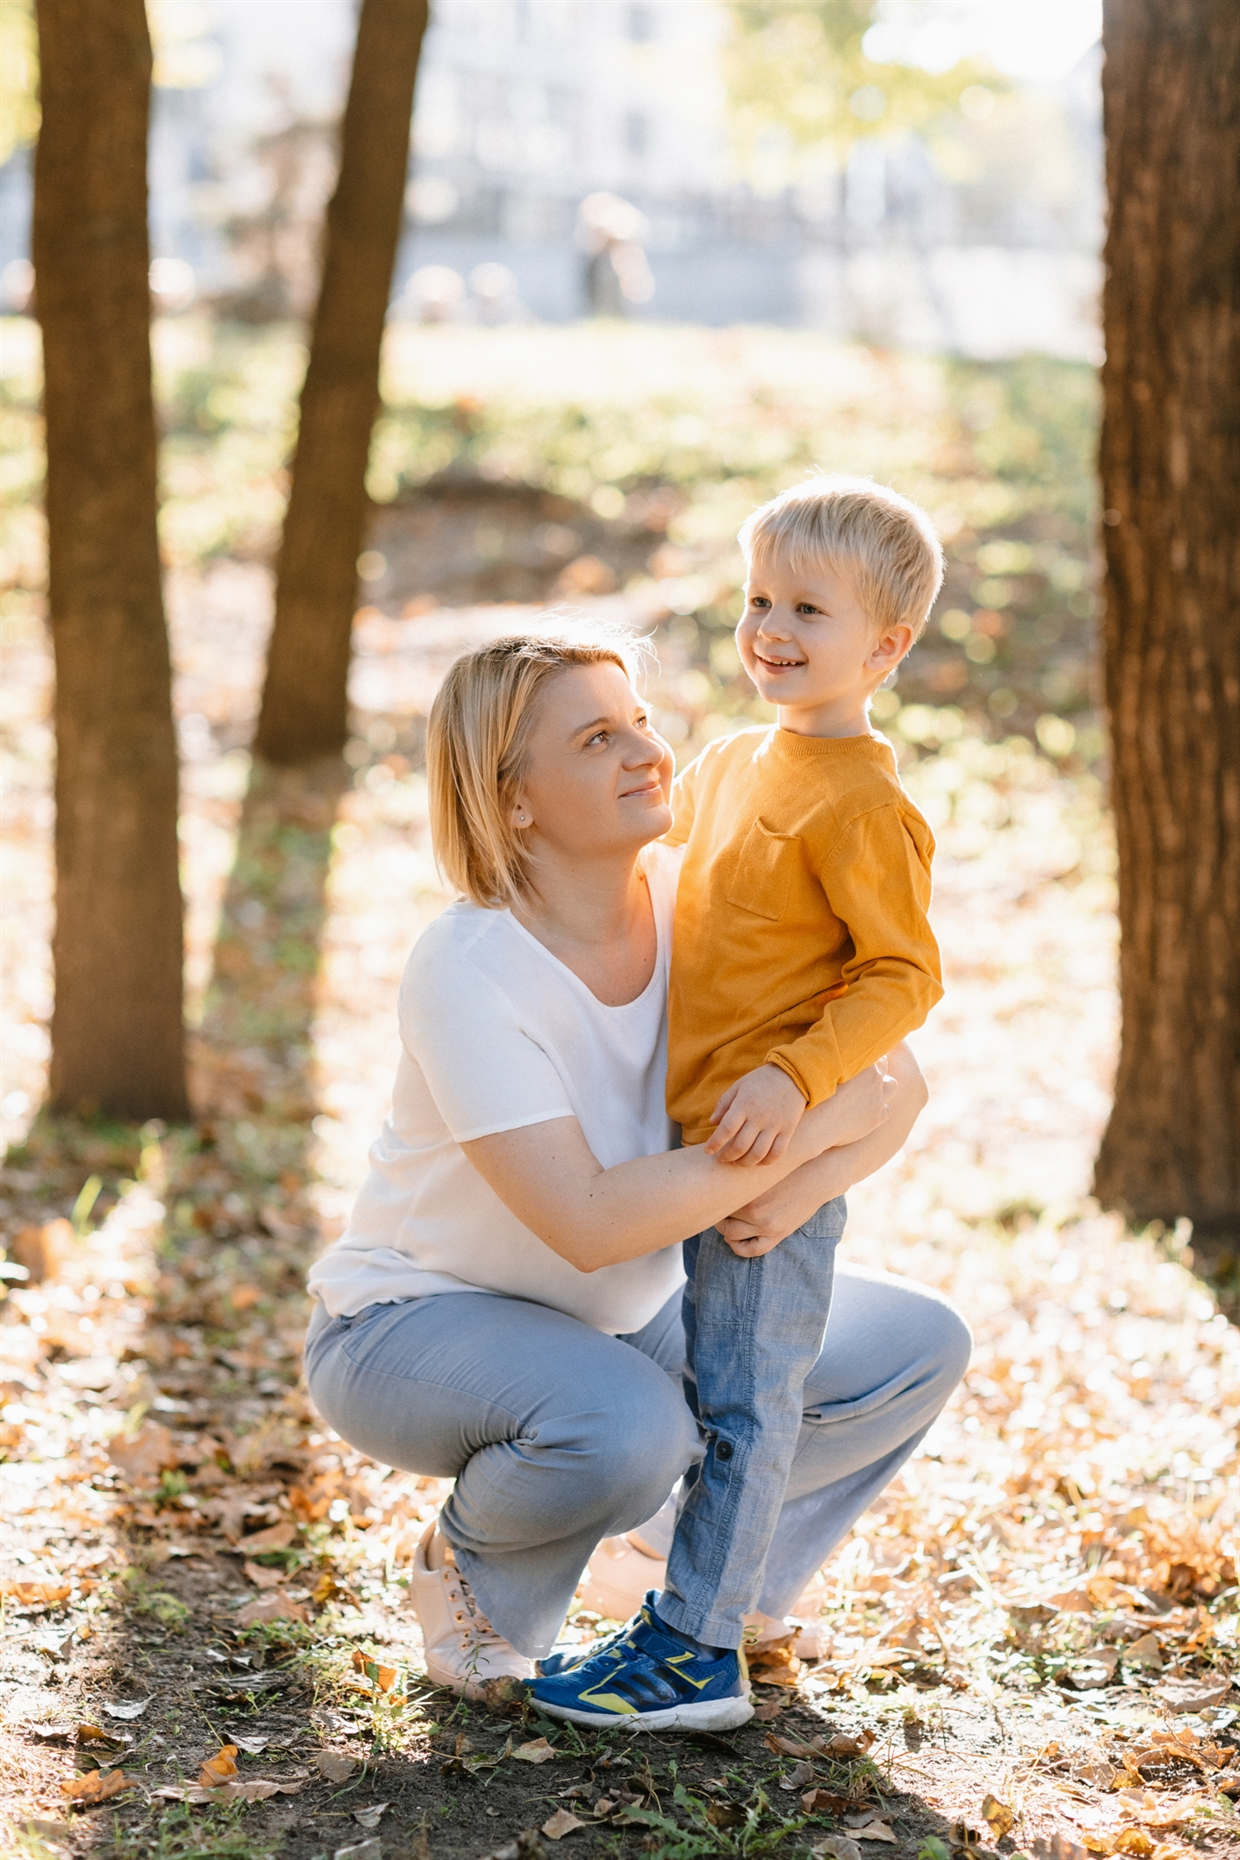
{"x":762,"y":881}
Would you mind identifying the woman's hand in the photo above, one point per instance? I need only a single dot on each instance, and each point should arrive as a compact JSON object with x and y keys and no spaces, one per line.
{"x":771,"y":1216}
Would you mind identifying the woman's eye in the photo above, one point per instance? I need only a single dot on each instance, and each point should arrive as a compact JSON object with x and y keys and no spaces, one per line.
{"x":600,"y":736}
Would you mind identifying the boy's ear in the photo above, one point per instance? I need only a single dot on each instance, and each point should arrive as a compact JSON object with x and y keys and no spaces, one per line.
{"x":889,"y":648}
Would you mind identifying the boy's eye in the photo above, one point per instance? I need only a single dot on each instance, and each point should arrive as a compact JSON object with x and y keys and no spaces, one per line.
{"x":807,"y":607}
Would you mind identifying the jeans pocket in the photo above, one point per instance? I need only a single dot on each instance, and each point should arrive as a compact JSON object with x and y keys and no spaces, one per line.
{"x":828,"y":1223}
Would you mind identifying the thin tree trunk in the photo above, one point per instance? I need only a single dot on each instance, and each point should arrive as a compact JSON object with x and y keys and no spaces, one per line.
{"x":117,"y":1043}
{"x":1171,"y":490}
{"x":305,"y":704}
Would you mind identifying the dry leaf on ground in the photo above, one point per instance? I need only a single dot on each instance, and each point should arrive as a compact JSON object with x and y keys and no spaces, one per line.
{"x":36,"y":1594}
{"x":99,"y":1786}
{"x":220,"y":1768}
{"x":265,"y":1608}
{"x":334,"y":1764}
{"x":371,"y":1816}
{"x":837,"y":1847}
{"x":560,"y":1824}
{"x":538,"y":1750}
{"x":873,"y":1830}
{"x":143,"y":1455}
{"x":999,"y":1818}
{"x":275,"y":1537}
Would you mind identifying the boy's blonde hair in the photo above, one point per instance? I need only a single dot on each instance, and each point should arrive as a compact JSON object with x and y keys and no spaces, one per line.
{"x":477,"y":741}
{"x":885,"y":542}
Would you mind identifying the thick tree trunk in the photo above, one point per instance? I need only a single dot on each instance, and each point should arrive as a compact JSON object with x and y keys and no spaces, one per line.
{"x":116,"y":1028}
{"x":1171,"y":490}
{"x":305,"y":705}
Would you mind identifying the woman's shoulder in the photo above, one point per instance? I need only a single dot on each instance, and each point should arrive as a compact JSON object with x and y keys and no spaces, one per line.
{"x":461,"y":939}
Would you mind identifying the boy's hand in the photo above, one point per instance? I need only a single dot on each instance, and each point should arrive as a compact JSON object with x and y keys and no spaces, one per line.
{"x":755,"y":1118}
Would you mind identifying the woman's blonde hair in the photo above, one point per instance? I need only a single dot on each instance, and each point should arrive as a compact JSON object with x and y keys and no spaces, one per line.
{"x":477,"y":743}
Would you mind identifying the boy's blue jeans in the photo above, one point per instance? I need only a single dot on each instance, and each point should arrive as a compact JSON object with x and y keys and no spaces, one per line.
{"x":754,"y":1328}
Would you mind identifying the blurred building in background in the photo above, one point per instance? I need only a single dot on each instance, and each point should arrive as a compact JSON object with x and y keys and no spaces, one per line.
{"x":573,"y":157}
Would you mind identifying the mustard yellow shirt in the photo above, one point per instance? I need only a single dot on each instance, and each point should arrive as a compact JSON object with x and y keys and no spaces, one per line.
{"x":801,"y":936}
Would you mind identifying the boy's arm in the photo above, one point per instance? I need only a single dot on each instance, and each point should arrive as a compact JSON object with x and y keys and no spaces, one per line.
{"x":877,"y":877}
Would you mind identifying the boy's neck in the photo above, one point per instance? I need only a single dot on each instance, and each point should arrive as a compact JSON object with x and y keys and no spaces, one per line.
{"x":848,"y":716}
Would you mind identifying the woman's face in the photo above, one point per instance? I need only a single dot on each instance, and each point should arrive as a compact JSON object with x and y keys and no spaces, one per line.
{"x":597,"y":779}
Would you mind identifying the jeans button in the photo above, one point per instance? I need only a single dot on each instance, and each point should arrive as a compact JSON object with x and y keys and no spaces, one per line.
{"x":723,"y":1449}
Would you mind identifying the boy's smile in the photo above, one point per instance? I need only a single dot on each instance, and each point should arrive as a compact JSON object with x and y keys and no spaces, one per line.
{"x":811,"y":648}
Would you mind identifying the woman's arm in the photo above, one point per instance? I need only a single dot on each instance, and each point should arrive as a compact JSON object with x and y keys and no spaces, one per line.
{"x":548,"y":1176}
{"x":778,"y":1211}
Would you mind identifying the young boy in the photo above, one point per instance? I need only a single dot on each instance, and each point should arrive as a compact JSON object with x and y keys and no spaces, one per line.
{"x":801,"y":955}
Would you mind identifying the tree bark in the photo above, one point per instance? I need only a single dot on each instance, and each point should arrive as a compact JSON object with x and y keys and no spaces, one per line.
{"x":304,"y":711}
{"x":1170,"y":461}
{"x":117,"y":1040}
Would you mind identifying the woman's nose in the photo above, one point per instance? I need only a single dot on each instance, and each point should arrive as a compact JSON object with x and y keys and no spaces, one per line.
{"x":643,"y":752}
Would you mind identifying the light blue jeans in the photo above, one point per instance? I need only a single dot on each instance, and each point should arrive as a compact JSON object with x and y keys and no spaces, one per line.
{"x":754,"y":1329}
{"x":558,"y":1435}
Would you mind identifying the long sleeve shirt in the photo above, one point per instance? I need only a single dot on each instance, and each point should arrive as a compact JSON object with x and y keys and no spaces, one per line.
{"x":801,"y":937}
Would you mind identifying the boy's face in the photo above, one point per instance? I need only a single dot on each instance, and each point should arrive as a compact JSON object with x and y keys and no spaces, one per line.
{"x":811,"y":648}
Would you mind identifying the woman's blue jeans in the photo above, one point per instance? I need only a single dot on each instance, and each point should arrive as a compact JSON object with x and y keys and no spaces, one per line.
{"x":558,"y":1435}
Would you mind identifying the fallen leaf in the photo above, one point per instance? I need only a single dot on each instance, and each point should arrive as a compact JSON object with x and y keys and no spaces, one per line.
{"x":793,"y":1746}
{"x":797,"y":1776}
{"x":1091,"y":1671}
{"x":874,"y":1830}
{"x":265,"y":1608}
{"x":126,"y":1709}
{"x":37,"y":1594}
{"x":725,"y":1815}
{"x":371,"y":1849}
{"x":998,"y":1817}
{"x":144,"y":1454}
{"x":275,"y":1537}
{"x":220,"y":1768}
{"x":252,"y":1745}
{"x":264,"y":1578}
{"x":837,"y":1847}
{"x":1144,"y":1652}
{"x":841,"y":1745}
{"x":768,"y":1710}
{"x":538,"y":1750}
{"x":382,"y":1676}
{"x":53,"y":1733}
{"x":371,"y":1816}
{"x":1192,"y":1694}
{"x":561,"y":1823}
{"x":334,"y":1764}
{"x":823,"y":1802}
{"x":95,"y":1734}
{"x":1059,"y":1847}
{"x":98,"y":1786}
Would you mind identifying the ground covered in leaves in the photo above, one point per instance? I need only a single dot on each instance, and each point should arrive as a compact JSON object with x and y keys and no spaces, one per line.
{"x":206,"y":1644}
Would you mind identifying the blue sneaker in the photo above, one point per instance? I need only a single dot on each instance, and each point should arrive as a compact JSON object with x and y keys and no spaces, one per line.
{"x":646,"y":1679}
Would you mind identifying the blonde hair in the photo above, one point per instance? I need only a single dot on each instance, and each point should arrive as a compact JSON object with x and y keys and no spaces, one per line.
{"x":477,"y":744}
{"x":885,"y":542}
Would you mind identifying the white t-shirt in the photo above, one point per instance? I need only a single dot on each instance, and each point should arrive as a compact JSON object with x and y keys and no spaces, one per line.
{"x":496,"y":1034}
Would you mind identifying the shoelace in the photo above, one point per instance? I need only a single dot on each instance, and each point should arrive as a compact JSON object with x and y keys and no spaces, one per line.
{"x":476,"y":1627}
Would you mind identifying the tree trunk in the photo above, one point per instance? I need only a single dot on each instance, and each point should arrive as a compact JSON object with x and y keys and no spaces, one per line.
{"x":1170,"y":465}
{"x":117,"y":1042}
{"x":305,"y":701}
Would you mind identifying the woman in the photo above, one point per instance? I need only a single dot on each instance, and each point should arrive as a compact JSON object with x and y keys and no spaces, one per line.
{"x":504,"y":1307}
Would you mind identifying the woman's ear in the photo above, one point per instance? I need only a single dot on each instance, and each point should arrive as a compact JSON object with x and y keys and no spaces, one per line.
{"x":520,"y":817}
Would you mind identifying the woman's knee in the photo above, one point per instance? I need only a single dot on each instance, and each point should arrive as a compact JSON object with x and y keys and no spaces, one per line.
{"x":647,"y":1440}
